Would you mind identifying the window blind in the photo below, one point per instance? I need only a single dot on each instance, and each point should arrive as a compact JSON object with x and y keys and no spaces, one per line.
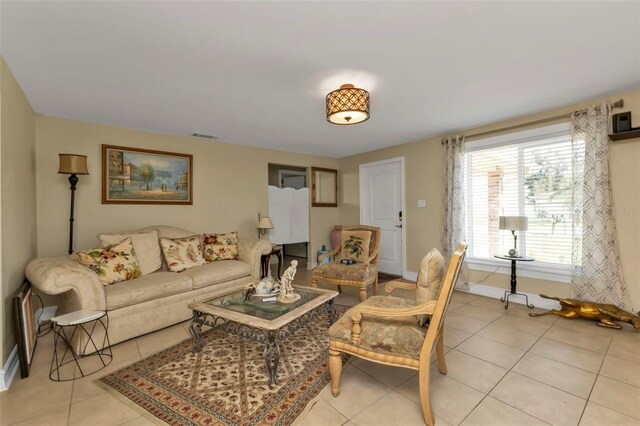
{"x":532,"y":179}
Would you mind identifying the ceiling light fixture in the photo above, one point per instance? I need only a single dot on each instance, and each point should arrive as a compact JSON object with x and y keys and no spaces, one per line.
{"x":348,"y":105}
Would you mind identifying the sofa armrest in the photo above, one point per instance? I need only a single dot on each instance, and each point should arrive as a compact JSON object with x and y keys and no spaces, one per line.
{"x":81,"y":286}
{"x":251,"y":251}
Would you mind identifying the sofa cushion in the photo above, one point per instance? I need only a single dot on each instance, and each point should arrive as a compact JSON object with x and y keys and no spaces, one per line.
{"x":145,"y":244}
{"x":168,"y":231}
{"x":220,"y":246}
{"x":182,"y":253}
{"x":113,"y":263}
{"x":217,"y":272}
{"x":148,"y":287}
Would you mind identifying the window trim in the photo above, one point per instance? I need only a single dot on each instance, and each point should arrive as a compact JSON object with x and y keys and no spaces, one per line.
{"x":538,"y":270}
{"x":524,"y":136}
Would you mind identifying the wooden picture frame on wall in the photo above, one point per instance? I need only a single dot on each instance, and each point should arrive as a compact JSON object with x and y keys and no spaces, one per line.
{"x":144,"y":176}
{"x":26,"y":335}
{"x":324,"y":187}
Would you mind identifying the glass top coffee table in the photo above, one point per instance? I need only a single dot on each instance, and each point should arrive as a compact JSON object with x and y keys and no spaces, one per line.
{"x":264,"y":322}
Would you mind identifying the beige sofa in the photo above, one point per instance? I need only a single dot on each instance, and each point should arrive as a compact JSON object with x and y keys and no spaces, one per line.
{"x":152,"y":301}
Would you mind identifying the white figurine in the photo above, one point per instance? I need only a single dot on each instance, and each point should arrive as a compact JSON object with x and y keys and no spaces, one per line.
{"x":286,"y":290}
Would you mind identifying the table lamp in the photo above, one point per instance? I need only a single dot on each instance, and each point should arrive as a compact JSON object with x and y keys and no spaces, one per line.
{"x":513,"y":224}
{"x":264,"y":223}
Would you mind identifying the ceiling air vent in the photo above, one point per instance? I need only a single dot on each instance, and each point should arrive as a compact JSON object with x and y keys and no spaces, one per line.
{"x":203,"y":136}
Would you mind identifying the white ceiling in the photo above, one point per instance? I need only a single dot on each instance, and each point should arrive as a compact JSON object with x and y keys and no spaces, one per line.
{"x":256,"y":73}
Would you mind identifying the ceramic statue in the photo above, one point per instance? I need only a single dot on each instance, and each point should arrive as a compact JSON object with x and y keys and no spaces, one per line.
{"x":287,"y":295}
{"x":605,"y":314}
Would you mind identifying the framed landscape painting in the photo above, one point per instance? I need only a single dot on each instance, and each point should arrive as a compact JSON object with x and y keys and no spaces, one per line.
{"x":142,"y":176}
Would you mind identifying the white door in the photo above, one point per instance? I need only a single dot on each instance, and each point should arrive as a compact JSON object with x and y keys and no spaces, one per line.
{"x":381,"y":205}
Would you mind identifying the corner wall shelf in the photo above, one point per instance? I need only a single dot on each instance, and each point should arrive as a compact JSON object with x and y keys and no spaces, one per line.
{"x":631,"y":134}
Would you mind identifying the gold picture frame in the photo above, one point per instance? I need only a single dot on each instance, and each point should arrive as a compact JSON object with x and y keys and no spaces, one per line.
{"x":144,"y":176}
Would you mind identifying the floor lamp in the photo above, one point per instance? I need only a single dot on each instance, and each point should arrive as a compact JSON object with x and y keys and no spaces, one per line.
{"x":72,"y":164}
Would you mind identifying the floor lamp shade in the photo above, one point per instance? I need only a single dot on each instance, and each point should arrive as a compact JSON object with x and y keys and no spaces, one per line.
{"x":73,"y":164}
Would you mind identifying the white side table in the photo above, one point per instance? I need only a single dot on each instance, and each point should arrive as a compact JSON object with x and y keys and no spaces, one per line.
{"x":79,"y":326}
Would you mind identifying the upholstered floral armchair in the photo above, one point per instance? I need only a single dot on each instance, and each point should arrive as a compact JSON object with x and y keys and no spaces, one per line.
{"x":400,"y":332}
{"x":360,"y":243}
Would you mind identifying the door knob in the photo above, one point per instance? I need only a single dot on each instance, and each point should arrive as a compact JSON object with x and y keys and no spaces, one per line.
{"x":398,"y":226}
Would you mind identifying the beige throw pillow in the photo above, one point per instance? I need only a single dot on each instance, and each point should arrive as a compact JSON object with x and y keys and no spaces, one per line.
{"x":182,"y":253}
{"x":113,"y":263}
{"x":221,"y":246}
{"x":355,"y":245}
{"x":430,"y":279}
{"x":145,"y":244}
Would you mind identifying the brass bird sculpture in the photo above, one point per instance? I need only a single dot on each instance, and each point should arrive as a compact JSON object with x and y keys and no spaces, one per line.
{"x":605,"y":314}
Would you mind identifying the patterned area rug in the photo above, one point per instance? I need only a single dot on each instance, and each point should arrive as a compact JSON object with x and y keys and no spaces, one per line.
{"x":226,"y":382}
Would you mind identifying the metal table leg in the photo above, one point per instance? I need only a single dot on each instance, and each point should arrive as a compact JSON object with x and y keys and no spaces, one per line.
{"x":272,"y":356}
{"x":195,"y":330}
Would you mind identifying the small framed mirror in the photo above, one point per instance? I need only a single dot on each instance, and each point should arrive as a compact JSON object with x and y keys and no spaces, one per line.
{"x":324,"y":187}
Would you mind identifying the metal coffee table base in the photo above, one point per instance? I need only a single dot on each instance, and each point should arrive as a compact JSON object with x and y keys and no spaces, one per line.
{"x":269,"y":338}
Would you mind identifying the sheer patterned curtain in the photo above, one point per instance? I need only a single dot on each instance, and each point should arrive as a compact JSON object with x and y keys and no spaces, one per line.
{"x":597,"y":273}
{"x":453,"y":210}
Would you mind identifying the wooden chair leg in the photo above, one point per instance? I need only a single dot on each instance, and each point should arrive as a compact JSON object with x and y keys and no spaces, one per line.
{"x":375,"y":288}
{"x":442,"y":364}
{"x":339,"y":288}
{"x":425,"y":401}
{"x":335,"y":370}
{"x":314,"y":282}
{"x":363,"y":293}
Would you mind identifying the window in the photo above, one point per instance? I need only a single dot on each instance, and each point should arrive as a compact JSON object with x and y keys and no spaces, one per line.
{"x":525,"y":174}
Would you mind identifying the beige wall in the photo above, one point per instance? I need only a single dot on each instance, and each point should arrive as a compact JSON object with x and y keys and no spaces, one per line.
{"x":18,"y":196}
{"x":230,"y":186}
{"x":424,"y":172}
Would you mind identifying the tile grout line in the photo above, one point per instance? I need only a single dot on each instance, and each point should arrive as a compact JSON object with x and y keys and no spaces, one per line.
{"x":595,"y":381}
{"x":373,"y":402}
{"x":501,"y":379}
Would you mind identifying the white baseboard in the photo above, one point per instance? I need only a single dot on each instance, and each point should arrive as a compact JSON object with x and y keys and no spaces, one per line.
{"x":410,"y":275}
{"x":9,"y":370}
{"x":497,"y":293}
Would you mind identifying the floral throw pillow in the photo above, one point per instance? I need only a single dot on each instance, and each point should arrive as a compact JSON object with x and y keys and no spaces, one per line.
{"x":182,"y":253}
{"x":355,"y":245}
{"x":113,"y":263}
{"x":221,"y":246}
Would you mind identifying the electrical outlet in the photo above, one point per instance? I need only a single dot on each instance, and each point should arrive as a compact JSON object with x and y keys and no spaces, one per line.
{"x":422,"y":204}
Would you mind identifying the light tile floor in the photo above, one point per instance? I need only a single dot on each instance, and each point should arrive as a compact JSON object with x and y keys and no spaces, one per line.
{"x":505,"y":368}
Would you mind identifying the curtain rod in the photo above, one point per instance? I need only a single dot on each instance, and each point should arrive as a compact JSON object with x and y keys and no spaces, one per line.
{"x":617,"y":104}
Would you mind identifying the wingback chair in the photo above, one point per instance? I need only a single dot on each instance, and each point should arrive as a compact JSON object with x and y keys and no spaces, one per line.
{"x":393,"y":331}
{"x":360,"y":274}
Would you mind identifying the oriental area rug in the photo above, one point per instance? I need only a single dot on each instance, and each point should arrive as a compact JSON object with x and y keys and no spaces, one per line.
{"x":226,"y":382}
